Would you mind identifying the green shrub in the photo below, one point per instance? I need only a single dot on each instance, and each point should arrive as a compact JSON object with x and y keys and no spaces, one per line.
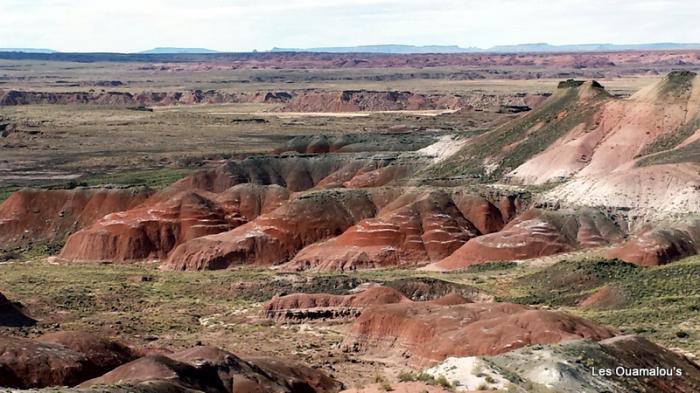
{"x":442,"y":381}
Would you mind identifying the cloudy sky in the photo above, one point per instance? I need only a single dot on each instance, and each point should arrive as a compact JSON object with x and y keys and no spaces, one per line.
{"x":243,"y":25}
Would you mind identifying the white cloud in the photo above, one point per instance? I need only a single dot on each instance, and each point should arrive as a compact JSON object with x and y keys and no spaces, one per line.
{"x":131,"y":25}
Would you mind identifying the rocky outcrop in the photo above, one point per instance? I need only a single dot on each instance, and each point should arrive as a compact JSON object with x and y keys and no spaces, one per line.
{"x":306,"y":306}
{"x":306,"y":100}
{"x":61,"y":359}
{"x":367,"y":101}
{"x":559,"y":368}
{"x":635,"y":154}
{"x":101,"y":353}
{"x":213,"y":370}
{"x":115,"y":98}
{"x":12,"y":314}
{"x":385,"y":140}
{"x":426,"y":333}
{"x":36,"y":216}
{"x":432,"y":289}
{"x":352,"y":229}
{"x":495,"y":154}
{"x":650,"y":193}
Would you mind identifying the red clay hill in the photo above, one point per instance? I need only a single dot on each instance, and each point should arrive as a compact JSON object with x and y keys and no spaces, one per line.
{"x":45,"y":216}
{"x":425,"y":333}
{"x":624,"y":170}
{"x":156,"y":227}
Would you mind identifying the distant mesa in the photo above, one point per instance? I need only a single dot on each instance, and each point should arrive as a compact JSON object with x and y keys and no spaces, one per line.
{"x":398,"y":49}
{"x":576,"y":83}
{"x":28,"y":50}
{"x":170,"y":50}
{"x":545,"y":47}
{"x":418,"y":49}
{"x":518,"y":48}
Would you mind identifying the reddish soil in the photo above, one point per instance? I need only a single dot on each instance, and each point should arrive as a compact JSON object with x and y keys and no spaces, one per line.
{"x":659,"y":246}
{"x":350,"y":229}
{"x":64,"y":359}
{"x":214,"y":370}
{"x":414,"y":229}
{"x":426,"y":333}
{"x":535,"y":233}
{"x":40,"y":216}
{"x":368,"y":173}
{"x":450,"y":299}
{"x":275,"y":237}
{"x":607,"y":297}
{"x":156,"y":227}
{"x":295,"y":172}
{"x":372,"y":296}
{"x":200,"y":222}
{"x":371,"y":177}
{"x":324,"y":306}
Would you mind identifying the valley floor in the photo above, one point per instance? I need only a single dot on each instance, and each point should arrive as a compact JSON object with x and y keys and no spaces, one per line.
{"x":149,"y":308}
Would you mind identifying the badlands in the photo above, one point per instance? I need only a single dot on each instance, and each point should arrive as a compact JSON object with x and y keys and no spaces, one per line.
{"x":422,"y":225}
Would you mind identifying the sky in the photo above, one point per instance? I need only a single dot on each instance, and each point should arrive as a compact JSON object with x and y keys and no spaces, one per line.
{"x":236,"y":25}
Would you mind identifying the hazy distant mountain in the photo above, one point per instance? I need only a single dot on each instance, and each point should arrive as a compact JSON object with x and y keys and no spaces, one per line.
{"x":166,"y":50}
{"x":28,"y":50}
{"x":544,"y":47}
{"x":384,"y":49}
{"x":407,"y":49}
{"x":536,"y":47}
